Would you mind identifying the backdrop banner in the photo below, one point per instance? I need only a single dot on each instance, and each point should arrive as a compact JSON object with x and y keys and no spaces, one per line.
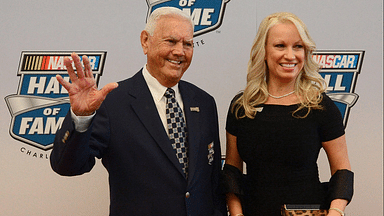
{"x":37,"y":35}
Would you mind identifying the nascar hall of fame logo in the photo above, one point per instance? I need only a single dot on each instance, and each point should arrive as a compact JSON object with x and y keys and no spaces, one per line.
{"x":207,"y":15}
{"x":41,"y":103}
{"x":340,"y":70}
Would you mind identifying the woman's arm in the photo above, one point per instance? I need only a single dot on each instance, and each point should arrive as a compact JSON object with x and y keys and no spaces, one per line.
{"x":233,"y":158}
{"x":337,"y":154}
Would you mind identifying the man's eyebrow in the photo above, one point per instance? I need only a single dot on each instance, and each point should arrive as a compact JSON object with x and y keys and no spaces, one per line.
{"x":177,"y":39}
{"x":171,"y":38}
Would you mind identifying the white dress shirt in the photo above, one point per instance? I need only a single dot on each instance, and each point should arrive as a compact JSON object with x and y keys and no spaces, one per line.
{"x":157,"y":91}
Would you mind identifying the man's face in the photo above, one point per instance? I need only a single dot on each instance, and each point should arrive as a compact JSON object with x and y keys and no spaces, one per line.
{"x":169,"y":50}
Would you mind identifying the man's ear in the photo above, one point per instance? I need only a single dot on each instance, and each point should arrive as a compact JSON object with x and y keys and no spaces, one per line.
{"x":144,"y":39}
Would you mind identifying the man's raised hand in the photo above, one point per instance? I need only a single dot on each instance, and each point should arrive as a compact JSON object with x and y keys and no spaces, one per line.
{"x":84,"y":96}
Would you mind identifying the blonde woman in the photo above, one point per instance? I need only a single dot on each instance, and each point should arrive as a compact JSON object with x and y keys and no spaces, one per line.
{"x":278,"y":125}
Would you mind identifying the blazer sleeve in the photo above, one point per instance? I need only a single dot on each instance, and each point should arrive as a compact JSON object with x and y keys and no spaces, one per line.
{"x":74,"y":152}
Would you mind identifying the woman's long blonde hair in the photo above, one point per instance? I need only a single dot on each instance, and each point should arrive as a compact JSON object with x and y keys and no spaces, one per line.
{"x":309,"y":85}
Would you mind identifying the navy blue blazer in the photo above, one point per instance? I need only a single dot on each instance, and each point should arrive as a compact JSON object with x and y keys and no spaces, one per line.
{"x":145,"y":177}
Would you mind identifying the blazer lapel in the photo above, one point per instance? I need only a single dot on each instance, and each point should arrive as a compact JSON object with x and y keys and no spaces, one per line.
{"x":146,"y":110}
{"x":192,"y":116}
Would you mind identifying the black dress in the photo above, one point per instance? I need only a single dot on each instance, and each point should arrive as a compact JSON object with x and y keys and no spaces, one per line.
{"x":281,"y":152}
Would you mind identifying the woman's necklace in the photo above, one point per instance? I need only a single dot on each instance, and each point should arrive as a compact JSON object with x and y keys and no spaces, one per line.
{"x":278,"y":97}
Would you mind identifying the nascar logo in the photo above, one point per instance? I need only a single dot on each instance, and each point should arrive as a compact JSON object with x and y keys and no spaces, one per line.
{"x":206,"y":15}
{"x":340,"y":70}
{"x":41,"y":103}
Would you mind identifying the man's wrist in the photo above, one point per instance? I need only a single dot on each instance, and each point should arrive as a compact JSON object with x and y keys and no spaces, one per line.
{"x":81,"y":122}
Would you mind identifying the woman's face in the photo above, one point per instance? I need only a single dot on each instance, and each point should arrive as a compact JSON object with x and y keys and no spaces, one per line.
{"x":285,"y":53}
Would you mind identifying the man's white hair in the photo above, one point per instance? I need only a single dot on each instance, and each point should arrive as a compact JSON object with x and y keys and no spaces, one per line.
{"x":164,"y":11}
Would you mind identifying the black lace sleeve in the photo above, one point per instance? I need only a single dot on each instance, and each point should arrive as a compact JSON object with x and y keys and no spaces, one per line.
{"x":340,"y":186}
{"x":232,"y":180}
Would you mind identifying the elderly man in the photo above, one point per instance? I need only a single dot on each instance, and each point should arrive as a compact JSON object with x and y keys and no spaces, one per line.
{"x":157,"y":136}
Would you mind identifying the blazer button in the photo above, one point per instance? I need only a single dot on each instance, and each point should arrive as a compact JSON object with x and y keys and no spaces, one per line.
{"x":187,"y":195}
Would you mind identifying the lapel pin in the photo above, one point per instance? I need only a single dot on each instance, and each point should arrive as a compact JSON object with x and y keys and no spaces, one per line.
{"x":195,"y":109}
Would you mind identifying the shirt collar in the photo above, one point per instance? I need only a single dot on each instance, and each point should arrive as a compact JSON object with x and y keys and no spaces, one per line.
{"x":157,"y":90}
